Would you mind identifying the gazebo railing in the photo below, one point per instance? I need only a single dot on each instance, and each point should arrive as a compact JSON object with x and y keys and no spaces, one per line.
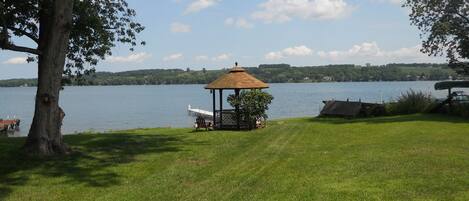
{"x":229,"y":120}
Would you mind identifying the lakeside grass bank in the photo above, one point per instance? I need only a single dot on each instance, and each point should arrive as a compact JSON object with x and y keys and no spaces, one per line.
{"x":415,"y":157}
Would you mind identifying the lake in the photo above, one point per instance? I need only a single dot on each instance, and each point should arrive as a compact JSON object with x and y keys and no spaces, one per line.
{"x":104,"y":108}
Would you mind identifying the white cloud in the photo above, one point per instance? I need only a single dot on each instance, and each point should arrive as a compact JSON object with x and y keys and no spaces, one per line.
{"x":370,"y":51}
{"x":177,"y":27}
{"x":285,"y":10}
{"x":221,"y":57}
{"x":201,"y":58}
{"x":131,"y":58}
{"x":398,"y":2}
{"x":16,"y":61}
{"x":274,"y":55}
{"x":291,"y":51}
{"x":173,"y":57}
{"x":239,"y":23}
{"x":297,"y":51}
{"x":407,"y":53}
{"x":199,"y":5}
{"x":229,"y":21}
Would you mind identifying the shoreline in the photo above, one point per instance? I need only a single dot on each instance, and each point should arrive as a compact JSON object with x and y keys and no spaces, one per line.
{"x":125,"y":85}
{"x":110,"y":131}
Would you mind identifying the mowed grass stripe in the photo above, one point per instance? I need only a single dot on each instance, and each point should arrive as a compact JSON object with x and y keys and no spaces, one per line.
{"x":239,"y":167}
{"x":261,"y":168}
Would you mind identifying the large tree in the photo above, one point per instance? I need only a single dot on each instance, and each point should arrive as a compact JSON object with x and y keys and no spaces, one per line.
{"x":445,"y":29}
{"x":69,"y":37}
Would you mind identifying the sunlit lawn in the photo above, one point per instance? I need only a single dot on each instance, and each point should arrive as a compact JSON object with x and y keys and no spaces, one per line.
{"x":418,"y":157}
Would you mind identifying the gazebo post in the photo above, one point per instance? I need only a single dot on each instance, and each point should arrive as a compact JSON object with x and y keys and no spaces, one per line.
{"x":214,"y":103}
{"x":221,"y":108}
{"x":450,"y":104}
{"x":238,"y":125}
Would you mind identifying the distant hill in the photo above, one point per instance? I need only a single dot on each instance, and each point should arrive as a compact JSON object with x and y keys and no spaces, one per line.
{"x":271,"y":73}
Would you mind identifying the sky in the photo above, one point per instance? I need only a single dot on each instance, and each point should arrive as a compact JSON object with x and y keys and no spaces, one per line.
{"x":214,"y":34}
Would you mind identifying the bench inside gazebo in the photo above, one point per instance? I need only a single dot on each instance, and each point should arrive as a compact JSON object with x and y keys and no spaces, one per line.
{"x":236,"y":79}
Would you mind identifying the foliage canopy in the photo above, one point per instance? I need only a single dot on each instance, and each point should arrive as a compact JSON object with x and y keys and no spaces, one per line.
{"x":97,"y":25}
{"x":253,"y":104}
{"x":445,"y":28}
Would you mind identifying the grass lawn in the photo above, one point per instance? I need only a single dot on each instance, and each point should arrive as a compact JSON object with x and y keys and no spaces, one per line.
{"x":417,"y":157}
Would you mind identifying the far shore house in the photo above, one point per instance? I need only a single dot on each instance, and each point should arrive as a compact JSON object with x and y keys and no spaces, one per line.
{"x":236,"y":79}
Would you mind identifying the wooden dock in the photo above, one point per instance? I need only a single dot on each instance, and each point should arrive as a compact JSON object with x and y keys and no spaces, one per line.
{"x":9,"y":124}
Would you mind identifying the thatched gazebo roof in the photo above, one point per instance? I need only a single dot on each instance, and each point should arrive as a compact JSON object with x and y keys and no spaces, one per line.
{"x":237,"y":78}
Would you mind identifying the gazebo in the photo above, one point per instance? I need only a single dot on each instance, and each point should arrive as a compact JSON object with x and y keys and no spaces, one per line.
{"x":236,"y":79}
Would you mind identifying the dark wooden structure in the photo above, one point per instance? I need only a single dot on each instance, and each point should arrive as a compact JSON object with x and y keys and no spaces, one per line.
{"x":449,"y":85}
{"x":351,"y":109}
{"x":452,"y":95}
{"x":236,"y":79}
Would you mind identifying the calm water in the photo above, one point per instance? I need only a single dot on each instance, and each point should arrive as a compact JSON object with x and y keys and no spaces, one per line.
{"x":103,"y":108}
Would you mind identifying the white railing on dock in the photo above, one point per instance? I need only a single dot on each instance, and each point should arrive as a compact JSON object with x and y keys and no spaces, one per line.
{"x":199,"y":112}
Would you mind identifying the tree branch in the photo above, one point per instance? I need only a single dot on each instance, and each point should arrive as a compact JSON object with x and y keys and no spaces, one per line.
{"x":12,"y":47}
{"x":463,"y":16}
{"x":110,"y":28}
{"x":32,"y":36}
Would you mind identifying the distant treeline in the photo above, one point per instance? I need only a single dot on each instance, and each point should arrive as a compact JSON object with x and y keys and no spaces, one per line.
{"x":271,"y":73}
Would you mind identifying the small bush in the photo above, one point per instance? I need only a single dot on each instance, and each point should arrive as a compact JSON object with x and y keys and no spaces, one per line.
{"x":460,"y":109}
{"x":253,"y":104}
{"x":411,"y":102}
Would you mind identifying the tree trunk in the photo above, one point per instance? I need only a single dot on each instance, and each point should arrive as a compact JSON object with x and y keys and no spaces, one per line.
{"x":55,"y":19}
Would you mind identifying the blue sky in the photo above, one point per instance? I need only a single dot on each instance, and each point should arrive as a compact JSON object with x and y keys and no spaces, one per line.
{"x":213,"y":34}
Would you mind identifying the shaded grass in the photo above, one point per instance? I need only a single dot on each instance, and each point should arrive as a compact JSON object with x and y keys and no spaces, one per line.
{"x":416,"y":157}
